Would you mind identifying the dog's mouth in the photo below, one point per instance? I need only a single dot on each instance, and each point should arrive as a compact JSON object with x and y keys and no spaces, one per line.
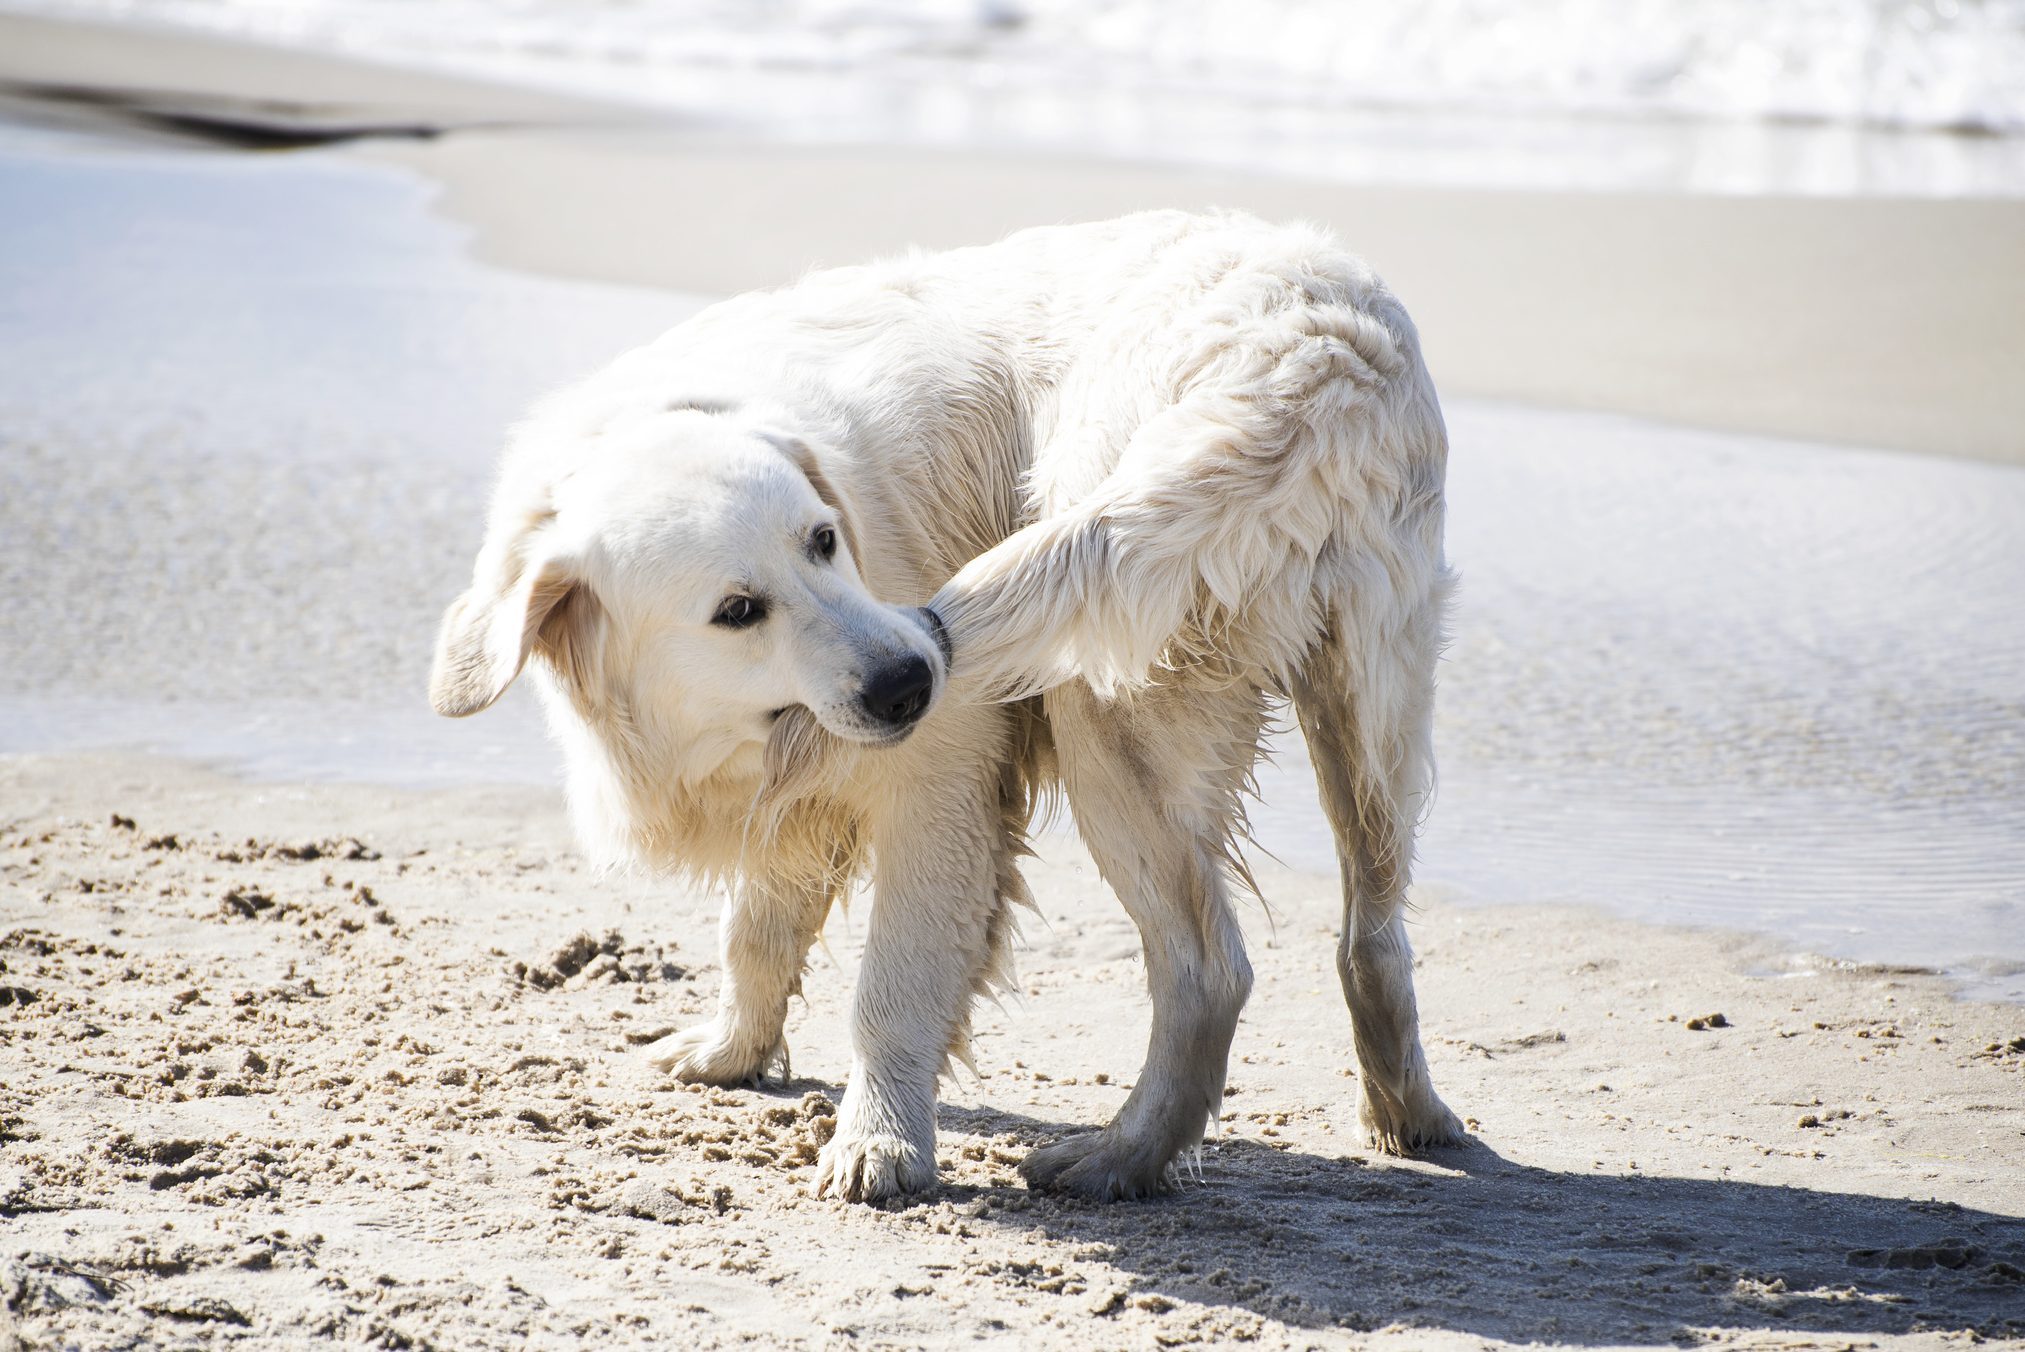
{"x":855,"y":734}
{"x":871,"y":739}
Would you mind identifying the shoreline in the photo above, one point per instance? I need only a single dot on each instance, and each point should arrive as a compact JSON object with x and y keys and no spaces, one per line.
{"x":142,"y":64}
{"x":260,"y":747}
{"x":1869,"y":322}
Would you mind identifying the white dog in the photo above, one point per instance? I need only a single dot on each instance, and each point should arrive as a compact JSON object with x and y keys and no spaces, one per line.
{"x":829,"y":582}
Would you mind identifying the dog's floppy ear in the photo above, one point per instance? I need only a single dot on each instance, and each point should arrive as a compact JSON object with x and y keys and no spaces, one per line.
{"x":488,"y":631}
{"x":805,"y":459}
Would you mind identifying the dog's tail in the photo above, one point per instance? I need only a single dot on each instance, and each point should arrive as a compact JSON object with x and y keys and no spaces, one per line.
{"x":1205,"y":540}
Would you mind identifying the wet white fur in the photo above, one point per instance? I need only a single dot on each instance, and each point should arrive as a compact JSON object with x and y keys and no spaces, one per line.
{"x":1154,"y":475}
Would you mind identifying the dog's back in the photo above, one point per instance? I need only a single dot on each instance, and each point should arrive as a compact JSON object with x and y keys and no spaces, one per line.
{"x":1099,"y":370}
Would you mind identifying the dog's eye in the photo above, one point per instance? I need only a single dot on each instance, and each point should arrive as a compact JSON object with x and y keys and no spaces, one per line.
{"x":826,"y":541}
{"x":739,"y":612}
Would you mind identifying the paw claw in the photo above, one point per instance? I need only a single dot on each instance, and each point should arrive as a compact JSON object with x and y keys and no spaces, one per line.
{"x":1100,"y":1166}
{"x":871,"y":1168}
{"x":1395,"y":1130}
{"x":705,"y":1055}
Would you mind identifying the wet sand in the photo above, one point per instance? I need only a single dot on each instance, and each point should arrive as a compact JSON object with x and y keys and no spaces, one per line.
{"x":156,"y":68}
{"x":288,"y":1060}
{"x":1881,"y":323}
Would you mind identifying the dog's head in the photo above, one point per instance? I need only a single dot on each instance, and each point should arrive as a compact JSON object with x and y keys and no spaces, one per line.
{"x":687,"y":580}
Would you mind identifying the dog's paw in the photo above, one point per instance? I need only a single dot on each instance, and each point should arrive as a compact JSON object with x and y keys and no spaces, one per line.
{"x":1423,"y":1123}
{"x":1100,"y":1165}
{"x":872,"y":1167}
{"x":705,"y":1054}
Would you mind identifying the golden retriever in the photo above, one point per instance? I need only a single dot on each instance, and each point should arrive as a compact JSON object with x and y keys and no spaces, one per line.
{"x":828,"y":583}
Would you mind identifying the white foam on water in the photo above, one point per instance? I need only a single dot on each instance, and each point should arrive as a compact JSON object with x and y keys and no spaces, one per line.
{"x":246,"y":420}
{"x":1821,"y":96}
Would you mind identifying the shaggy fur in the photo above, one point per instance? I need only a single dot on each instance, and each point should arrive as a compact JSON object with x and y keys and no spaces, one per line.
{"x":1148,"y":478}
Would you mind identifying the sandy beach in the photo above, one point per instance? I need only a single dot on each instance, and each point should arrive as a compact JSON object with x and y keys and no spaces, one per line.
{"x":325,"y":1062}
{"x":313,"y":1024}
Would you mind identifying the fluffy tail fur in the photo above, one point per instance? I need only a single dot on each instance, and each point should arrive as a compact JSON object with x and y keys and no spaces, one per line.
{"x":1320,"y":429}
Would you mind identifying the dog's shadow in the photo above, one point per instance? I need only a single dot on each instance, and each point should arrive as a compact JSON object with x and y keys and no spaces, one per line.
{"x":1482,"y":1245}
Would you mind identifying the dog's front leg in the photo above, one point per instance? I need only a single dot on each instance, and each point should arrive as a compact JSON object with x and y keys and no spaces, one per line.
{"x":763,"y":940}
{"x":937,"y":919}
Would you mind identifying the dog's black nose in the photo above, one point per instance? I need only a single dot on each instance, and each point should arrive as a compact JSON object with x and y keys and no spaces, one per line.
{"x":897,"y":693}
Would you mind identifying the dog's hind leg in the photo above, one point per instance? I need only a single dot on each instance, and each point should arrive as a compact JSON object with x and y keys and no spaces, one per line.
{"x":763,"y":941}
{"x":1153,"y":781}
{"x":1366,"y":707}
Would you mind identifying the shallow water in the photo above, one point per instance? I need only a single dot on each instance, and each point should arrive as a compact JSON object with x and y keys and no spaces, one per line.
{"x":1734,"y":681}
{"x":247,"y":411}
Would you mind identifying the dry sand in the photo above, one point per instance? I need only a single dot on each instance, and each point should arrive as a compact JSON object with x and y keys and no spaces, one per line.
{"x":284,"y":1064}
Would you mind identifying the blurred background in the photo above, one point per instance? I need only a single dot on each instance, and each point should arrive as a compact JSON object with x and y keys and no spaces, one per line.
{"x":1727,"y":301}
{"x":1720,"y":96}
